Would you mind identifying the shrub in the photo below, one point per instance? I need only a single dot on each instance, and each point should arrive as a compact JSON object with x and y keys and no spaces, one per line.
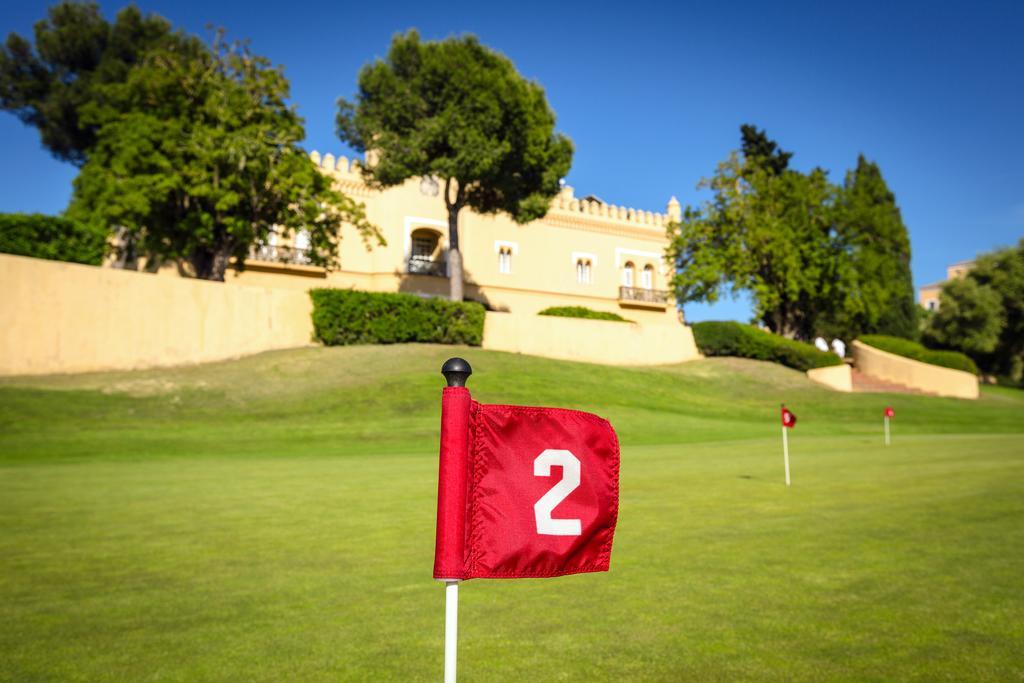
{"x":344,"y":316}
{"x":582,"y":312}
{"x":915,"y":351}
{"x":51,"y":237}
{"x":725,"y":338}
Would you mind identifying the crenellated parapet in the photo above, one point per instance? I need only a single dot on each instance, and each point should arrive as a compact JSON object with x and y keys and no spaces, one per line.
{"x":565,"y":207}
{"x":590,"y":209}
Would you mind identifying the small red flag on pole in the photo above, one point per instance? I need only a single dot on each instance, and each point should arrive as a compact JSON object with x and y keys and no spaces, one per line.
{"x":788,"y":422}
{"x":889,"y":414}
{"x":522,"y":493}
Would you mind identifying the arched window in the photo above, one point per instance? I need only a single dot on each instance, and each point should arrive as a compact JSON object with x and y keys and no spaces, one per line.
{"x":583,"y":271}
{"x":647,"y":277}
{"x":505,"y":260}
{"x":424,"y":254}
{"x":628,"y":274}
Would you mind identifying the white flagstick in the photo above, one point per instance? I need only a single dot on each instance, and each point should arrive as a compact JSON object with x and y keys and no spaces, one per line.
{"x":886,"y":430}
{"x":785,"y":452}
{"x":451,"y":628}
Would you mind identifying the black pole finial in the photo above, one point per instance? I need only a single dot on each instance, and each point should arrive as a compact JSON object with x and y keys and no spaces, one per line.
{"x":456,"y":371}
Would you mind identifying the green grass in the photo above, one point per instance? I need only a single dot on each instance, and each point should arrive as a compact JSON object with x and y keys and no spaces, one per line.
{"x":272,"y":519}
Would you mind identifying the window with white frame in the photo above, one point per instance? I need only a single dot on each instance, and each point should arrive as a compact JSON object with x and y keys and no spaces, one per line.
{"x":424,"y":244}
{"x":505,"y":260}
{"x":628,"y":274}
{"x":583,"y":271}
{"x":647,"y":277}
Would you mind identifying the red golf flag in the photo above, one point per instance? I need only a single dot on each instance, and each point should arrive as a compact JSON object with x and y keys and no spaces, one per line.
{"x":788,"y":418}
{"x":523,"y":492}
{"x":889,"y":412}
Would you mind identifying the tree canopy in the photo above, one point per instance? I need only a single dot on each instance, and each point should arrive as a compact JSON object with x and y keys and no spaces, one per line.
{"x":459,"y":112}
{"x":879,"y":290}
{"x":969,"y":318}
{"x":76,"y":54}
{"x":188,"y":150}
{"x":817,"y":258}
{"x":982,"y":314}
{"x":205,"y":163}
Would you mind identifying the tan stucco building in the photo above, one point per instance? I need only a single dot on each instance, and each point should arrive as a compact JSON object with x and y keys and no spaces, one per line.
{"x":585,"y":252}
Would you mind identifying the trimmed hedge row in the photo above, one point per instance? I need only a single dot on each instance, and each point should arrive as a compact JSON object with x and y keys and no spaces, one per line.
{"x":726,"y":338}
{"x":582,"y":312}
{"x":915,"y":351}
{"x":51,"y":237}
{"x":345,"y":316}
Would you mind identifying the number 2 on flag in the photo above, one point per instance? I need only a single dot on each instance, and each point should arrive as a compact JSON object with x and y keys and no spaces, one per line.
{"x":570,"y":481}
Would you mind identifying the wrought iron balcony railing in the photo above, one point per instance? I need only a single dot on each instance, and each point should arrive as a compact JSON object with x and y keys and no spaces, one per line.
{"x":644,"y":295}
{"x":417,"y":266}
{"x":273,"y":253}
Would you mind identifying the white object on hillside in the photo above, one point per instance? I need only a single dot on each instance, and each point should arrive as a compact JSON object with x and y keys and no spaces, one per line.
{"x":839,"y":347}
{"x":821,"y":344}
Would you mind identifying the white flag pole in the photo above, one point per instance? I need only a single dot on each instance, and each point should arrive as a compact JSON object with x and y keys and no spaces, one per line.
{"x":785,"y":451}
{"x":886,"y":430}
{"x":451,"y":628}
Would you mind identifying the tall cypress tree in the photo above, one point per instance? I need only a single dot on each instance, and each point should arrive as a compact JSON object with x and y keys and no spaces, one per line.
{"x":871,"y":227}
{"x":761,"y":150}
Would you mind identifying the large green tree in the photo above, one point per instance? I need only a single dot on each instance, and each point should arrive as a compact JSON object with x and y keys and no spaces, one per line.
{"x":879,"y":294}
{"x":767,"y":230}
{"x":969,"y":319}
{"x":76,"y":53}
{"x":816,"y":258}
{"x":458,"y":112}
{"x":762,"y":151}
{"x":204,"y":162}
{"x":992,"y":290}
{"x":188,"y":151}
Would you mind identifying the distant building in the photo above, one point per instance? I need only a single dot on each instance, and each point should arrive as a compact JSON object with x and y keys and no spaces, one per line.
{"x":584,"y":252}
{"x":928,"y":295}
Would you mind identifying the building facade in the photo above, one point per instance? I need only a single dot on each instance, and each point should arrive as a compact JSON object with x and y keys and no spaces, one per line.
{"x":584,"y":252}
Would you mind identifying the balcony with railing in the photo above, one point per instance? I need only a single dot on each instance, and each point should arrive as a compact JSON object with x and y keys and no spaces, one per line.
{"x":641,"y":297}
{"x":421,"y":266}
{"x":272,"y":253}
{"x":273,"y":258}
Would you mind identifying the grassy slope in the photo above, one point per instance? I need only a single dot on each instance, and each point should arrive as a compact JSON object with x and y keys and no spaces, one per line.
{"x":272,"y":519}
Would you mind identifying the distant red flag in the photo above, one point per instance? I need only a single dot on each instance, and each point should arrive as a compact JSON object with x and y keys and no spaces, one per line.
{"x":788,"y":418}
{"x":523,"y":492}
{"x":889,"y":412}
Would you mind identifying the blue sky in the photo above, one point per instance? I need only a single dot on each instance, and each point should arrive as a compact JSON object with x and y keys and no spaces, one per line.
{"x":653,"y":95}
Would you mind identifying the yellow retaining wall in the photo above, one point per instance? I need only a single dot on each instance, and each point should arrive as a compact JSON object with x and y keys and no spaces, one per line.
{"x":836,"y":377}
{"x":592,"y":341}
{"x":914,"y":374}
{"x":66,"y":317}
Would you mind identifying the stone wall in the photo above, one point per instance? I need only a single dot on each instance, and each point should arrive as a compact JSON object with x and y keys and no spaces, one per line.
{"x":592,"y":341}
{"x":65,"y":317}
{"x":914,"y":374}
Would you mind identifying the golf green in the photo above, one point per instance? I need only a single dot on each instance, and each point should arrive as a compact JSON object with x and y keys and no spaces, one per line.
{"x":272,"y":519}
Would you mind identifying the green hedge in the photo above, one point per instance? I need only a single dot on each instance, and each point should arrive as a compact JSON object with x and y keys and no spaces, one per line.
{"x":51,"y":237}
{"x":915,"y":351}
{"x":344,"y":316}
{"x":582,"y":312}
{"x":724,"y":338}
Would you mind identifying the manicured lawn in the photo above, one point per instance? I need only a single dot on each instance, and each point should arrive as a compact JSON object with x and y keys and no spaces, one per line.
{"x":272,"y":519}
